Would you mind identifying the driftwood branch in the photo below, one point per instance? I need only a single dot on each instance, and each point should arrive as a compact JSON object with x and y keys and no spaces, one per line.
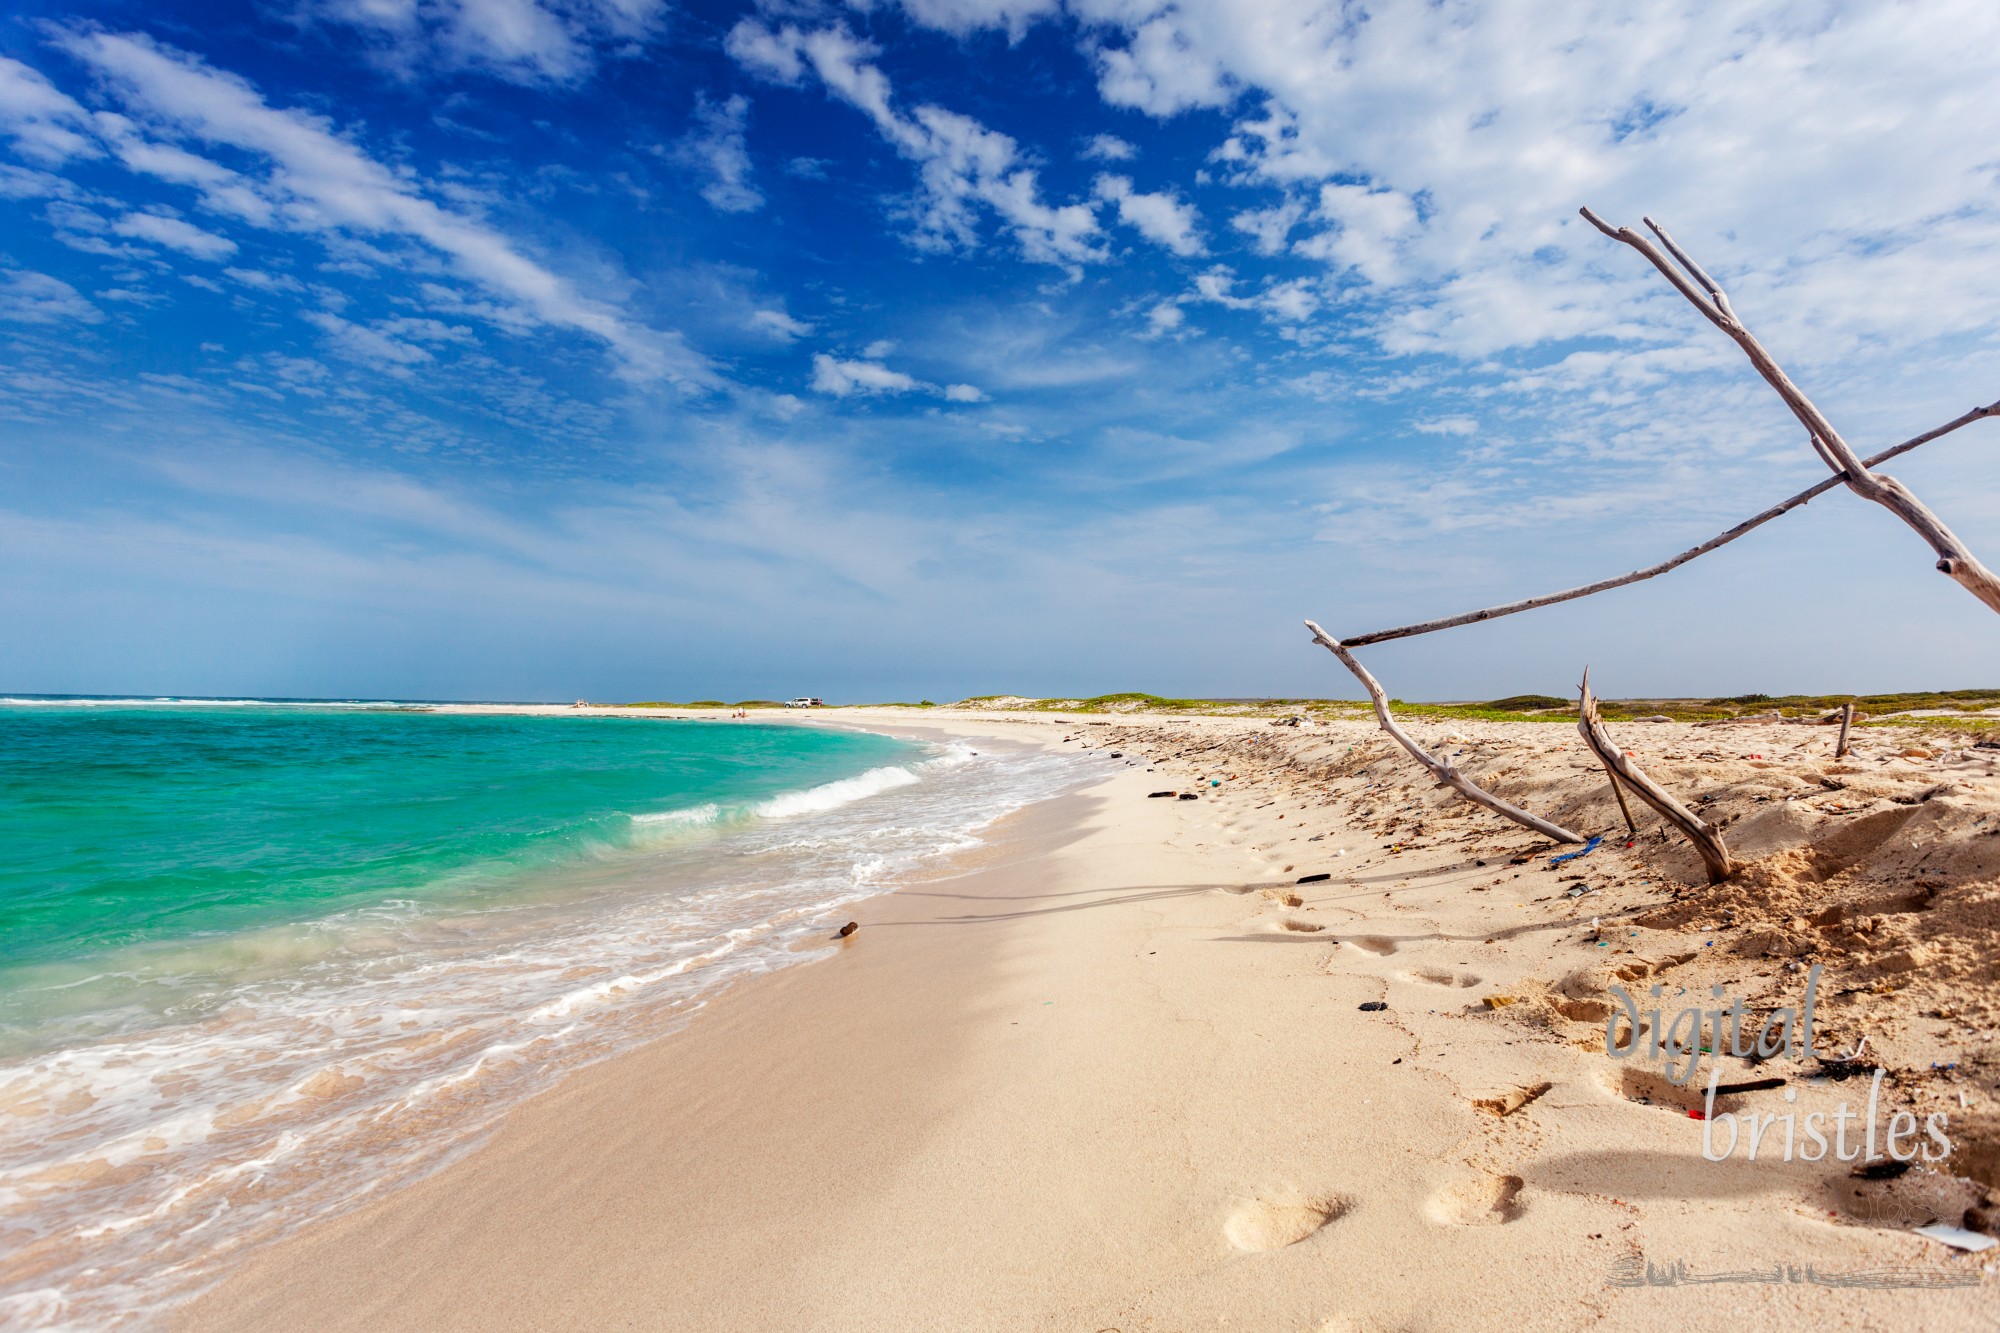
{"x":1700,"y":832}
{"x":1440,"y":769}
{"x":1954,"y":559}
{"x":1846,"y":721}
{"x":1631,"y":826}
{"x":1653,"y":571}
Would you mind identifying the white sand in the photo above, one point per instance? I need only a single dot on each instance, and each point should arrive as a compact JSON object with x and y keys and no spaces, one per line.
{"x":1100,"y":1078}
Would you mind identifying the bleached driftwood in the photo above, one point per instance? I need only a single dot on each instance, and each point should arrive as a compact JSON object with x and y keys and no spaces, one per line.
{"x":1440,"y":769}
{"x":1846,"y":721}
{"x":1954,"y":560}
{"x":1706,"y":839}
{"x":1651,"y":571}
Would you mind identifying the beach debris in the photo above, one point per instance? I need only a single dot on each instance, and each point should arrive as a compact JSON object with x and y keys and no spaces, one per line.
{"x":1578,"y":891}
{"x":1374,"y":1006}
{"x":1756,"y":1085}
{"x":1155,"y":795}
{"x":1706,"y":838}
{"x":1953,"y":559}
{"x":1957,"y":1237}
{"x":1511,"y":1100}
{"x":1882,"y":1168}
{"x":1501,"y":1001}
{"x":1985,"y":1215}
{"x":1314,"y":879}
{"x":1442,"y":770}
{"x":847,"y":930}
{"x":1189,"y":796}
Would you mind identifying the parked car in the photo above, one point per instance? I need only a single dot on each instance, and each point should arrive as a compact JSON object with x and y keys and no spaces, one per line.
{"x":804,"y":703}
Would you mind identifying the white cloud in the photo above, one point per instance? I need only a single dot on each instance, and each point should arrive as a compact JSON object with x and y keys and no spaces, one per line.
{"x":771,"y":55}
{"x":960,"y":163}
{"x":878,"y":349}
{"x":371,"y":345}
{"x":1368,"y":233}
{"x":718,"y":148}
{"x":264,"y":280}
{"x":175,"y":234}
{"x":523,"y":41}
{"x":1269,"y":228}
{"x":961,"y":17}
{"x":1808,"y":145}
{"x":36,"y":298}
{"x":1160,"y":218}
{"x":1161,"y":70}
{"x":1108,"y":148}
{"x":1164,"y":318}
{"x":843,"y":378}
{"x":1290,"y":302}
{"x":44,"y":123}
{"x":320,"y":182}
{"x":779,"y":324}
{"x":1452,"y":425}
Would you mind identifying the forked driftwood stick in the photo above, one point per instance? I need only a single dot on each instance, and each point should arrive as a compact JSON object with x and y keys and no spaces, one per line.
{"x":1651,"y":571}
{"x":1700,"y":832}
{"x":1953,"y":558}
{"x":1846,"y":721}
{"x":1440,"y":769}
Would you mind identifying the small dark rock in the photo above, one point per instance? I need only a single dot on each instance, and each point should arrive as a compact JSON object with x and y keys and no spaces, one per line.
{"x":1374,"y":1006}
{"x":847,"y":930}
{"x":1189,"y":796}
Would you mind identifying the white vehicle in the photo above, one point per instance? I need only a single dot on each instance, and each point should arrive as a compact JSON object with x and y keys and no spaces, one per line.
{"x":803,"y":703}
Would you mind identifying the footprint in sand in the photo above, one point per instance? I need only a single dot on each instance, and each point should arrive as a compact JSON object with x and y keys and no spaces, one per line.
{"x":1481,"y":1202}
{"x":1437,"y":976}
{"x":1303,"y":927}
{"x":1380,"y":945}
{"x":1273,"y":1221}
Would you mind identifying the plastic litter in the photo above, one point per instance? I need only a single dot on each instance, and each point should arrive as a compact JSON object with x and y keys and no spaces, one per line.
{"x":1579,"y":891}
{"x":1958,"y":1238}
{"x":1588,"y":848}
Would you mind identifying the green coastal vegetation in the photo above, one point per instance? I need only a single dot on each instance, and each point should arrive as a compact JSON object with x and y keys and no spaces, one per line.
{"x":1956,"y":710}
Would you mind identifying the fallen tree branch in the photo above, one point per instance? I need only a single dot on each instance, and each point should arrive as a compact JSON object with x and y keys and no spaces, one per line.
{"x":1651,"y":571}
{"x":1446,"y":775}
{"x":1954,"y":559}
{"x":1706,"y":839}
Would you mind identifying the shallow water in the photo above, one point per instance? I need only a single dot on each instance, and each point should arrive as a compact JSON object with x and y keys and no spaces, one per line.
{"x":262,"y":962}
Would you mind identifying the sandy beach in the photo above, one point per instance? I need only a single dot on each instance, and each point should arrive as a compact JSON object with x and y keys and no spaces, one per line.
{"x":1113,"y":1070}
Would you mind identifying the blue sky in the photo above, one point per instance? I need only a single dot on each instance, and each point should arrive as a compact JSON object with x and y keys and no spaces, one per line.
{"x":543,"y":348}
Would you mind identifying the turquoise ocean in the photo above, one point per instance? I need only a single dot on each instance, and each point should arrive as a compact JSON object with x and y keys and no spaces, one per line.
{"x":260,"y":961}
